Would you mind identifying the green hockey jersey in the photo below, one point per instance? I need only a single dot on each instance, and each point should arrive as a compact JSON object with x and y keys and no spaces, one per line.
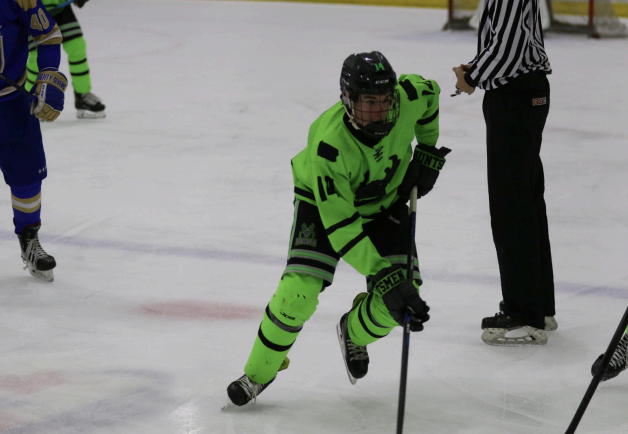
{"x":351,"y":180}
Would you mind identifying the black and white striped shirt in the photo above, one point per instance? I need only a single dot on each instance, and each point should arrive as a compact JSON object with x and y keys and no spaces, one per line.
{"x":510,"y":43}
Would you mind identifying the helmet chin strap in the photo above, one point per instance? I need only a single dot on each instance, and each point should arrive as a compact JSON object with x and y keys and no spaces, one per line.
{"x":347,"y":102}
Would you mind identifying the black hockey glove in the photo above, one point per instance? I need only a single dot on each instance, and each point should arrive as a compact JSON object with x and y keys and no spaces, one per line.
{"x":80,"y":3}
{"x":400,"y":295}
{"x":423,"y":170}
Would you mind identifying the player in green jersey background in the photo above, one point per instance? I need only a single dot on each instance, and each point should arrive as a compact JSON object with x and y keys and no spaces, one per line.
{"x":352,"y":183}
{"x":88,"y":105}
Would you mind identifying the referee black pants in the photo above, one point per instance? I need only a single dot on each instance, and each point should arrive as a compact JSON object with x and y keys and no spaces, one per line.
{"x":515,"y":116}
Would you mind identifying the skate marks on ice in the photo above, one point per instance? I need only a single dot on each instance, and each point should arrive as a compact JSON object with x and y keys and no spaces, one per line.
{"x":200,"y":310}
{"x":82,"y":401}
{"x":163,"y":250}
{"x":498,"y":406}
{"x":234,"y":256}
{"x":460,"y":405}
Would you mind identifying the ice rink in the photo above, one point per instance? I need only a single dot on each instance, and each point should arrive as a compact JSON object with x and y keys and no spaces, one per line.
{"x":169,"y":221}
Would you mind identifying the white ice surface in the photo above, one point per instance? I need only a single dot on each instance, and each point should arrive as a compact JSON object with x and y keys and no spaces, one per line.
{"x":170,"y":220}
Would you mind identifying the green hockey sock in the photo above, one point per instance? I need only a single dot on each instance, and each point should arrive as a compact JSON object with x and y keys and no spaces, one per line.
{"x":292,"y":305}
{"x":369,"y":320}
{"x":270,"y":349}
{"x":79,"y":69}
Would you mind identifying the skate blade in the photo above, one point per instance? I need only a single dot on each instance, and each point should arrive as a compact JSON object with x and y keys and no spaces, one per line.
{"x":497,"y":337}
{"x":352,"y":379}
{"x":86,"y":114}
{"x":48,"y":276}
{"x":228,"y":405}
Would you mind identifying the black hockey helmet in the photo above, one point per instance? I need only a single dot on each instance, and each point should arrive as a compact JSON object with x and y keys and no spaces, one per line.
{"x":370,"y":74}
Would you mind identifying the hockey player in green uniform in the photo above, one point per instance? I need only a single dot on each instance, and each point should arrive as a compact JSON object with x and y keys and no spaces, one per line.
{"x":352,"y":183}
{"x":88,"y":105}
{"x":618,"y":363}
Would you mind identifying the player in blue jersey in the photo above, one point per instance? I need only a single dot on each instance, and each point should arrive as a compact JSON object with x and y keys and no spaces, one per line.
{"x":22,"y":157}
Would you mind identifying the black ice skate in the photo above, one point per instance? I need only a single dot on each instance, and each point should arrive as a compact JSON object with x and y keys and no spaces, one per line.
{"x":550,"y":322}
{"x":496,"y":327}
{"x":356,"y":358}
{"x":38,"y":262}
{"x":618,"y":363}
{"x":244,"y":390}
{"x":88,"y":106}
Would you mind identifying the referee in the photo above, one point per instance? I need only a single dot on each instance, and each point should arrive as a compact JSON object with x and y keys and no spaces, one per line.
{"x":511,"y":66}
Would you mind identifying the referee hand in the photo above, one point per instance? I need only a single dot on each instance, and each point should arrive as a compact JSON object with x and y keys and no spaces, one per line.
{"x":461,"y":84}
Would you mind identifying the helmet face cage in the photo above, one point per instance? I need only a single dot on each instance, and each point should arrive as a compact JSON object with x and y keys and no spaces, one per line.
{"x":369,"y":94}
{"x":375,"y":114}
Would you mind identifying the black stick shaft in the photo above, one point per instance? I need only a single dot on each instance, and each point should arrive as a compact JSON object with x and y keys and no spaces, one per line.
{"x":405,"y":347}
{"x":62,"y":5}
{"x":17,"y":86}
{"x":598,"y":375}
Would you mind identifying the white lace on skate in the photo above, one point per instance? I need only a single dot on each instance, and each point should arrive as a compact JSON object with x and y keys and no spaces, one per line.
{"x":619,"y":360}
{"x":523,"y":336}
{"x":356,"y":352}
{"x":33,"y":252}
{"x":251,"y":388}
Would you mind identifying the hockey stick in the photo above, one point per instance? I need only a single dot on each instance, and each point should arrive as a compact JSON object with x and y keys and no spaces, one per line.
{"x":18,"y":87}
{"x":62,"y":5}
{"x":405,"y":347}
{"x":598,"y":375}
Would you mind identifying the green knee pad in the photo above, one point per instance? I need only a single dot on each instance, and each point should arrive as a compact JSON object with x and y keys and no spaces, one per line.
{"x":76,"y":50}
{"x":369,"y":319}
{"x":293,"y":303}
{"x":296,"y":298}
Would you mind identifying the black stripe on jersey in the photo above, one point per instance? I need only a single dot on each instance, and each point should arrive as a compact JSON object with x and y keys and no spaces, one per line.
{"x":78,"y":62}
{"x":70,"y":38}
{"x":501,"y":29}
{"x":357,"y":203}
{"x":376,"y":215}
{"x":321,"y":189}
{"x":428,"y":119}
{"x":278,"y":323}
{"x":410,"y":90}
{"x":516,"y":47}
{"x":328,"y":152}
{"x":32,"y":72}
{"x":304,"y":193}
{"x":351,"y":244}
{"x":269,"y":344}
{"x":346,"y":222}
{"x":510,"y":41}
{"x":78,"y":74}
{"x":427,"y":92}
{"x":310,"y":262}
{"x":365,"y":327}
{"x":329,"y":185}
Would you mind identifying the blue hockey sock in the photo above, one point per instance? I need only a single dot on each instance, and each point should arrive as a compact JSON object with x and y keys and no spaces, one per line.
{"x":26,"y":205}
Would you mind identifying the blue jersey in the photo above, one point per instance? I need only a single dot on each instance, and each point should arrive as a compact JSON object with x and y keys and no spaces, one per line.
{"x":18,"y":19}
